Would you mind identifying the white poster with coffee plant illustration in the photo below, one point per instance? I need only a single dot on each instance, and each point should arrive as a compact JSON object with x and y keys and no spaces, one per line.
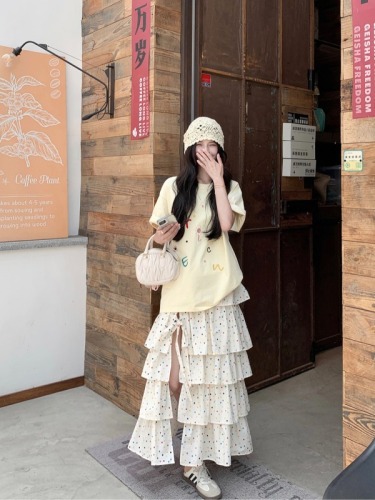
{"x":33,"y":165}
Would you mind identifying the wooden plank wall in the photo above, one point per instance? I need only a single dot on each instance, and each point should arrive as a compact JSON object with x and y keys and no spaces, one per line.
{"x":358,"y":250}
{"x":120,"y":179}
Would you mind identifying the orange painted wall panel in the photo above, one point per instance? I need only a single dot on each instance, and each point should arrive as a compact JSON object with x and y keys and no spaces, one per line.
{"x":33,"y":147}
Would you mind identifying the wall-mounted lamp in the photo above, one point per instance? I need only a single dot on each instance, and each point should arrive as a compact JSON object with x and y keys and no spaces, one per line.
{"x":109,"y":105}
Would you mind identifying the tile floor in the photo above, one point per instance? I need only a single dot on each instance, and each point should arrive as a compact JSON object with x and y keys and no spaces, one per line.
{"x":296,"y":429}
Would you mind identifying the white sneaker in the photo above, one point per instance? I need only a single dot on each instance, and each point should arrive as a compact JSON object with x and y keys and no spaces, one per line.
{"x":200,"y":478}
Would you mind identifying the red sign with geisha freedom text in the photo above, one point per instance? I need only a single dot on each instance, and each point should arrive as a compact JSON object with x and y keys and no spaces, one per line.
{"x":140,"y":103}
{"x":363,"y":100}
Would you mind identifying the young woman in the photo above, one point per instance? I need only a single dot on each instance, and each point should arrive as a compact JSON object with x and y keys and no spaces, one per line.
{"x":197,"y":360}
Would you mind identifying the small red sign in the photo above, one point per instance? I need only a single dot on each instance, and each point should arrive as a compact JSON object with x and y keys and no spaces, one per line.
{"x":140,"y":103}
{"x":206,"y":80}
{"x":363,"y":99}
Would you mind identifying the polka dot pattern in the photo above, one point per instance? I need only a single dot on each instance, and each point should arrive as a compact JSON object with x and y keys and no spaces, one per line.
{"x":215,"y":442}
{"x":156,"y":442}
{"x":213,"y":403}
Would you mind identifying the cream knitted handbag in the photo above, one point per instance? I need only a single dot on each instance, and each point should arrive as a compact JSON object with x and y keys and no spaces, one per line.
{"x":157,"y":266}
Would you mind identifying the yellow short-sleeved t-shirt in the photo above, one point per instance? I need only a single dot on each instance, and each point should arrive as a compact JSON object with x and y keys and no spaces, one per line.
{"x":209,"y":268}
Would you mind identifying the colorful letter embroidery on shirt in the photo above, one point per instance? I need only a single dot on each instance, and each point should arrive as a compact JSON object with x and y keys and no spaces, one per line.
{"x":216,"y":267}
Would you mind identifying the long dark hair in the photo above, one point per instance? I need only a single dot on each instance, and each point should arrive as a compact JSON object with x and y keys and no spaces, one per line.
{"x":187,"y":185}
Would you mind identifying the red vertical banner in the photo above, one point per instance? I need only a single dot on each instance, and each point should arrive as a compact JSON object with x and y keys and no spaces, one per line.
{"x":140,"y":104}
{"x":363,"y":99}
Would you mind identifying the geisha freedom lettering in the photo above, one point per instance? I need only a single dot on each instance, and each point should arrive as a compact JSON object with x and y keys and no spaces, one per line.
{"x":363,"y":100}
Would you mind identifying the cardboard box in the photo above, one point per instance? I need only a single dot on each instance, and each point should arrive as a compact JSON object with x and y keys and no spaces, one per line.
{"x":299,"y":150}
{"x":297,"y":132}
{"x":299,"y":168}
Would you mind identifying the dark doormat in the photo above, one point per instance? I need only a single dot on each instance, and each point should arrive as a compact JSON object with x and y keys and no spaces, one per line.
{"x":244,"y":479}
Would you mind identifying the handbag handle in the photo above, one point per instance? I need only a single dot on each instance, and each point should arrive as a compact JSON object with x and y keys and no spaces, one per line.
{"x":149,"y":245}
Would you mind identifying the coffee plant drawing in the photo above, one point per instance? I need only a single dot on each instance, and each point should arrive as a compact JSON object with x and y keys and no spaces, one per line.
{"x":24,"y":144}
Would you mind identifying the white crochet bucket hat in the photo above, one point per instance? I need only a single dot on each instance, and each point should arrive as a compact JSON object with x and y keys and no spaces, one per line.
{"x":203,"y":129}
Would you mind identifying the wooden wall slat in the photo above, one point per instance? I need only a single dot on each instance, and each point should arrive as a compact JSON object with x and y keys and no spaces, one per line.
{"x":118,"y":346}
{"x":359,"y":258}
{"x":170,"y":163}
{"x":111,"y":302}
{"x":346,"y":32}
{"x":93,"y":93}
{"x":166,"y":61}
{"x":105,"y":261}
{"x":128,"y":166}
{"x":119,"y":284}
{"x":129,"y":395}
{"x":358,"y":191}
{"x":346,"y":8}
{"x":118,"y":391}
{"x":168,"y":102}
{"x":131,"y":374}
{"x":102,"y":18}
{"x":164,"y":143}
{"x":170,"y":4}
{"x":123,"y":70}
{"x":358,"y":359}
{"x":167,"y":40}
{"x":165,"y":81}
{"x":122,"y":97}
{"x":112,"y":146}
{"x":132,"y":405}
{"x":116,"y":243}
{"x":358,"y":225}
{"x":166,"y":123}
{"x":100,"y":357}
{"x":113,"y":51}
{"x":121,"y":205}
{"x":120,"y":29}
{"x":359,"y":393}
{"x":359,"y":291}
{"x":347,"y":63}
{"x":359,"y":325}
{"x":358,"y":426}
{"x":346,"y":95}
{"x":116,"y":328}
{"x":117,"y":185}
{"x":131,"y":225}
{"x":92,"y":6}
{"x":167,"y":19}
{"x":106,"y":128}
{"x":356,"y":130}
{"x":352,"y":451}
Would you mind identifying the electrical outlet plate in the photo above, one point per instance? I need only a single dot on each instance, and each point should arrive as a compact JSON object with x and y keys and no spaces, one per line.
{"x":353,"y":160}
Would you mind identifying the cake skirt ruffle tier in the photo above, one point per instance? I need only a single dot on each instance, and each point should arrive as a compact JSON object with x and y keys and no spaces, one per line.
{"x":213,"y":404}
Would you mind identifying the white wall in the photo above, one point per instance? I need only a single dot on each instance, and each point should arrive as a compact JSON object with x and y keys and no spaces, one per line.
{"x":42,"y":320}
{"x":43,"y":290}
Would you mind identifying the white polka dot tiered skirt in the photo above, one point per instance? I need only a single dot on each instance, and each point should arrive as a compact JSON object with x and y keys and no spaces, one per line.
{"x":213,"y":404}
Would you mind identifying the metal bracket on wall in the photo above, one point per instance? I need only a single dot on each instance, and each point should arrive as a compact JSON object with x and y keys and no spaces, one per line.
{"x":110,"y":72}
{"x":109,"y":105}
